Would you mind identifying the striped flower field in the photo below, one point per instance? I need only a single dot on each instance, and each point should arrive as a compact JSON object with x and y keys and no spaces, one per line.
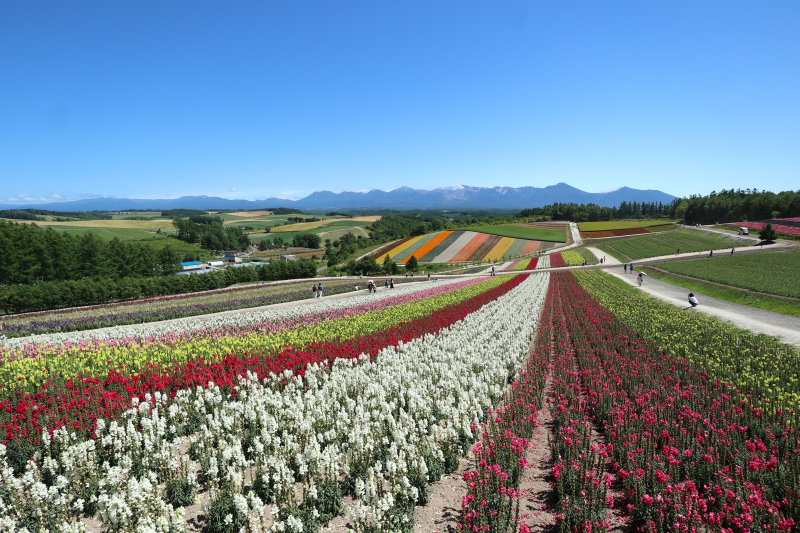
{"x":457,"y":247}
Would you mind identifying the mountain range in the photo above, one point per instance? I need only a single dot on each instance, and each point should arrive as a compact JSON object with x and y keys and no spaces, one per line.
{"x":463,"y":197}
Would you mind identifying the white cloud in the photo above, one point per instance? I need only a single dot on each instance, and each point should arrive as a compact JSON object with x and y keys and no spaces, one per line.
{"x":233,"y":189}
{"x":610,"y":190}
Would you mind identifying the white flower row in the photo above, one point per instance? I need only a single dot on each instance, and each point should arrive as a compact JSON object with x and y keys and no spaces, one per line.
{"x":372,"y":422}
{"x":544,"y":262}
{"x":224,"y":320}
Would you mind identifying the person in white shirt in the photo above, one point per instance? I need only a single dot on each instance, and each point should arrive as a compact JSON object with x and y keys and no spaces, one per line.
{"x":693,"y":300}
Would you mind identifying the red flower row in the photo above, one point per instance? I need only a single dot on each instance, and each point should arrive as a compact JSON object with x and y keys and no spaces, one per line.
{"x":79,"y":402}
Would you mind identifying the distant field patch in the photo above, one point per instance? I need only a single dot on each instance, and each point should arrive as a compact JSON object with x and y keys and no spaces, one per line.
{"x":668,"y":243}
{"x":373,"y":218}
{"x":523,"y":232}
{"x":134,"y":224}
{"x":249,"y":214}
{"x":299,"y":227}
{"x":620,"y":224}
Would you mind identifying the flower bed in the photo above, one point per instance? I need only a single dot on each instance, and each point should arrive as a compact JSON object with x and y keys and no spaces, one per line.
{"x":379,"y":429}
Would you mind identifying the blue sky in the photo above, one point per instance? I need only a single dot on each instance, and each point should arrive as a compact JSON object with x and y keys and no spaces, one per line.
{"x":256,"y":99}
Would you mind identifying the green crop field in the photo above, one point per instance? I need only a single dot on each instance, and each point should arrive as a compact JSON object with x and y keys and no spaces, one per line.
{"x":123,"y":234}
{"x":521,"y":232}
{"x":767,"y":272}
{"x":655,"y":244}
{"x":620,"y":224}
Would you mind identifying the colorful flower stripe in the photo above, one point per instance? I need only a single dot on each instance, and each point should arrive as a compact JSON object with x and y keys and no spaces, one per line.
{"x":96,"y":318}
{"x":556,"y":261}
{"x":79,"y":402}
{"x":780,"y":228}
{"x":347,"y":322}
{"x":434,"y":241}
{"x":533,"y":264}
{"x":512,"y":266}
{"x":531,"y":247}
{"x":692,"y":452}
{"x":750,"y":362}
{"x":381,"y":252}
{"x":455,"y":247}
{"x":404,"y":246}
{"x":440,"y":248}
{"x":500,"y":249}
{"x":490,"y":242}
{"x":544,"y":262}
{"x":516,"y":248}
{"x":469,"y":249}
{"x":573,"y":257}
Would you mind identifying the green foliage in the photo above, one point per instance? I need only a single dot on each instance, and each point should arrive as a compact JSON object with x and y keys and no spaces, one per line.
{"x":223,"y":517}
{"x":668,"y":243}
{"x":182,"y":213}
{"x":411,"y":264}
{"x":211,"y":233}
{"x":180,"y":493}
{"x":739,"y":205}
{"x":765,"y":272}
{"x":53,"y":295}
{"x":307,"y":240}
{"x":767,"y":233}
{"x":592,"y":212}
{"x":522,"y":232}
{"x":329,"y":501}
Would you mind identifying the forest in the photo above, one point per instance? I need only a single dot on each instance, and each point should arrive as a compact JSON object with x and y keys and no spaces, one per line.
{"x":33,"y":254}
{"x":209,"y":232}
{"x":58,"y":294}
{"x":741,"y":205}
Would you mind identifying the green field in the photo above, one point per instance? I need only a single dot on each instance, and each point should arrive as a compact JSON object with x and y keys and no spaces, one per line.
{"x":763,"y":272}
{"x":123,"y":234}
{"x":620,"y":224}
{"x":729,"y":294}
{"x":521,"y":232}
{"x":655,"y":244}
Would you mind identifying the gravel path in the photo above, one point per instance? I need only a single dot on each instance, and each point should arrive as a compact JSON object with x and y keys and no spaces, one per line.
{"x":784,"y":327}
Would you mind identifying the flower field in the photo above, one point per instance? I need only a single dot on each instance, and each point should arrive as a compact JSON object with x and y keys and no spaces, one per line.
{"x":780,"y":228}
{"x":284,"y":419}
{"x":612,"y":225}
{"x":457,"y":246}
{"x":166,"y":307}
{"x":668,"y":243}
{"x":763,"y":272}
{"x":328,"y":375}
{"x":679,"y":449}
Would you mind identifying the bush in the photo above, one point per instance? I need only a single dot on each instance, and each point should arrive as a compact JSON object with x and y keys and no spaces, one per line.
{"x":767,"y":233}
{"x":411,"y":264}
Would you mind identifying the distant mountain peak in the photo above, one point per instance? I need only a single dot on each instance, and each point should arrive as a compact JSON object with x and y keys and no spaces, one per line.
{"x":452,"y":197}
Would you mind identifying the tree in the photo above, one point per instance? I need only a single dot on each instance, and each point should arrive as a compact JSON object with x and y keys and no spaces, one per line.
{"x":681,"y":210}
{"x":389,"y":266}
{"x":767,"y":233}
{"x":411,"y":264}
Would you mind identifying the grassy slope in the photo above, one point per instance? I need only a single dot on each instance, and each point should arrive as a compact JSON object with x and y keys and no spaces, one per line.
{"x":655,"y":244}
{"x":770,"y":272}
{"x":730,"y":294}
{"x":620,"y":224}
{"x":520,"y":232}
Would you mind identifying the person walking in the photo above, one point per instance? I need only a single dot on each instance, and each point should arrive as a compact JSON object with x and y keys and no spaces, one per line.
{"x":391,"y":283}
{"x":492,"y":271}
{"x":625,"y":266}
{"x":640,"y":278}
{"x":679,"y":251}
{"x":429,"y":276}
{"x":319,"y":289}
{"x":386,"y":284}
{"x":631,"y":268}
{"x":732,"y":249}
{"x":314,"y":291}
{"x":692,"y":300}
{"x":711,"y":253}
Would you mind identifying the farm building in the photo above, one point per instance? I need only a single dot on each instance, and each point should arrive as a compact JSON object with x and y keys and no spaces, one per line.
{"x":200,"y":270}
{"x":288,"y":258}
{"x":190,"y":265}
{"x":216,"y":263}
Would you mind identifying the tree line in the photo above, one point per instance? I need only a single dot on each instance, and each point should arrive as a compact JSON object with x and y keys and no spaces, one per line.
{"x":595,"y":213}
{"x":740,"y":205}
{"x":59,"y":294}
{"x":39,"y":214}
{"x":209,"y":232}
{"x":32,"y":254}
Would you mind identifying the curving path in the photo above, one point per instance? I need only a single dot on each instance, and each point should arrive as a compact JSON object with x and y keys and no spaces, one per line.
{"x":784,"y":327}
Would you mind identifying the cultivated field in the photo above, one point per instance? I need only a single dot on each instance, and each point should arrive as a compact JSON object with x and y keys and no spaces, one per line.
{"x":669,"y":243}
{"x":620,"y":224}
{"x":456,"y":246}
{"x":774,"y":273}
{"x":380,"y":412}
{"x":538,"y":232}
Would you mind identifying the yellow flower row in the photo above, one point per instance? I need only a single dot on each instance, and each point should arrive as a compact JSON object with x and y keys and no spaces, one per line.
{"x":756,"y":364}
{"x":95,"y":361}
